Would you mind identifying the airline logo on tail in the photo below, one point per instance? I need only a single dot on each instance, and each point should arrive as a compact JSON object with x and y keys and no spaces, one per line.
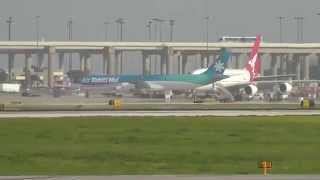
{"x":218,"y":68}
{"x":253,"y":63}
{"x":222,"y":61}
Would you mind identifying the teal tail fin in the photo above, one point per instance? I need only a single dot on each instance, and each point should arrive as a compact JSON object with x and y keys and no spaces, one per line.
{"x":217,"y":68}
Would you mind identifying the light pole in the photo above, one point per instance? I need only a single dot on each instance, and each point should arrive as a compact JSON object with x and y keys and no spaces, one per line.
{"x":121,"y":23}
{"x":155,"y":29}
{"x":149,"y":26}
{"x":158,"y":22}
{"x":160,"y":28}
{"x":10,"y":21}
{"x":299,"y":28}
{"x":155,"y":20}
{"x":207,"y":36}
{"x":69,"y":29}
{"x":69,"y":36}
{"x":37,"y":29}
{"x":106,"y":32}
{"x":149,"y":30}
{"x":10,"y":55}
{"x":280,"y":18}
{"x":171,"y":23}
{"x":299,"y":20}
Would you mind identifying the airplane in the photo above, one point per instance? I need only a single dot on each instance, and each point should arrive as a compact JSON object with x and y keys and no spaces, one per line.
{"x":247,"y":79}
{"x":166,"y":83}
{"x":236,"y":78}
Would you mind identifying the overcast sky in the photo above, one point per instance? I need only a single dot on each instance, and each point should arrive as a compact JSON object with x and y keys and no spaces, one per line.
{"x":228,"y":17}
{"x":231,"y":17}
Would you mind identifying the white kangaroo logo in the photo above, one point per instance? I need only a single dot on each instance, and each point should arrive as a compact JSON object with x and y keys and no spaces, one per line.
{"x":252,"y":63}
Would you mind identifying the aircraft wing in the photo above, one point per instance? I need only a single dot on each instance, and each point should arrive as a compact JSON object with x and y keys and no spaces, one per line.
{"x":140,"y":84}
{"x":287,"y":81}
{"x":276,"y":76}
{"x":229,"y":91}
{"x":222,"y":93}
{"x":148,"y":85}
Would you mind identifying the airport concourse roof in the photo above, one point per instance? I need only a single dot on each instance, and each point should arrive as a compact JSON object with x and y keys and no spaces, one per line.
{"x":158,"y":44}
{"x":187,"y":47}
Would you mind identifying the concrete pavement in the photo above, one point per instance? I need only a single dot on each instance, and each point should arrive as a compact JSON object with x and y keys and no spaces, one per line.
{"x":57,"y":114}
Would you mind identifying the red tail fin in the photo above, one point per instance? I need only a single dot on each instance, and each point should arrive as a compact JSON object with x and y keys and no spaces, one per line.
{"x":253,"y":63}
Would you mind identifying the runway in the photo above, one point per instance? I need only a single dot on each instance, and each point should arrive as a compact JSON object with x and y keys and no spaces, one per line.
{"x":57,"y":114}
{"x":167,"y":177}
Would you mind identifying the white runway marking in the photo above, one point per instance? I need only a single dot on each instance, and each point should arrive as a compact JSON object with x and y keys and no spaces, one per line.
{"x":55,"y":114}
{"x":168,"y":177}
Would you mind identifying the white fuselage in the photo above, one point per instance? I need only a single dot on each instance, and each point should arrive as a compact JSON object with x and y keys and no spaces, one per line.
{"x":235,"y":77}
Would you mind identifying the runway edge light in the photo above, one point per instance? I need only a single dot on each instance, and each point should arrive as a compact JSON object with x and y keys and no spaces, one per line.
{"x":265,"y":165}
{"x":116,"y":103}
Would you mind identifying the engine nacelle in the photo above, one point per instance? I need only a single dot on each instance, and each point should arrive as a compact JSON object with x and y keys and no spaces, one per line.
{"x":251,"y":90}
{"x":285,"y":88}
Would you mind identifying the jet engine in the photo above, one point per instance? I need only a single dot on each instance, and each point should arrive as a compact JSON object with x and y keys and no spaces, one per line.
{"x":285,"y":88}
{"x":251,"y":90}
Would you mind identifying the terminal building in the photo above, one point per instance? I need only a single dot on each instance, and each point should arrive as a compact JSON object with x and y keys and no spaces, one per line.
{"x":301,"y":59}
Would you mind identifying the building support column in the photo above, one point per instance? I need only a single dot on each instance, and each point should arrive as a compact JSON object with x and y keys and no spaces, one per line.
{"x":51,"y":52}
{"x":231,"y":64}
{"x":108,"y":58}
{"x":61,"y":62}
{"x":27,"y":72}
{"x":104,"y":64}
{"x":261,"y":69}
{"x":162,"y":65}
{"x":146,"y":63}
{"x":10,"y":65}
{"x":204,"y":60}
{"x":117,"y":56}
{"x":70,"y":62}
{"x":150,"y":64}
{"x":179,"y":64}
{"x":81,"y":62}
{"x":318,"y":55}
{"x":298,"y":66}
{"x":285,"y":64}
{"x":169,"y":60}
{"x":112,"y":60}
{"x":306,"y":60}
{"x":293,"y":65}
{"x":289,"y":63}
{"x":273,"y":65}
{"x":214,"y":58}
{"x":236,"y":61}
{"x":184,"y":63}
{"x":166,"y":58}
{"x":281,"y":64}
{"x":40,"y":59}
{"x":87,"y":63}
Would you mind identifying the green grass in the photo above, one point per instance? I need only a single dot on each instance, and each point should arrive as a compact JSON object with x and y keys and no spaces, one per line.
{"x":159,"y":145}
